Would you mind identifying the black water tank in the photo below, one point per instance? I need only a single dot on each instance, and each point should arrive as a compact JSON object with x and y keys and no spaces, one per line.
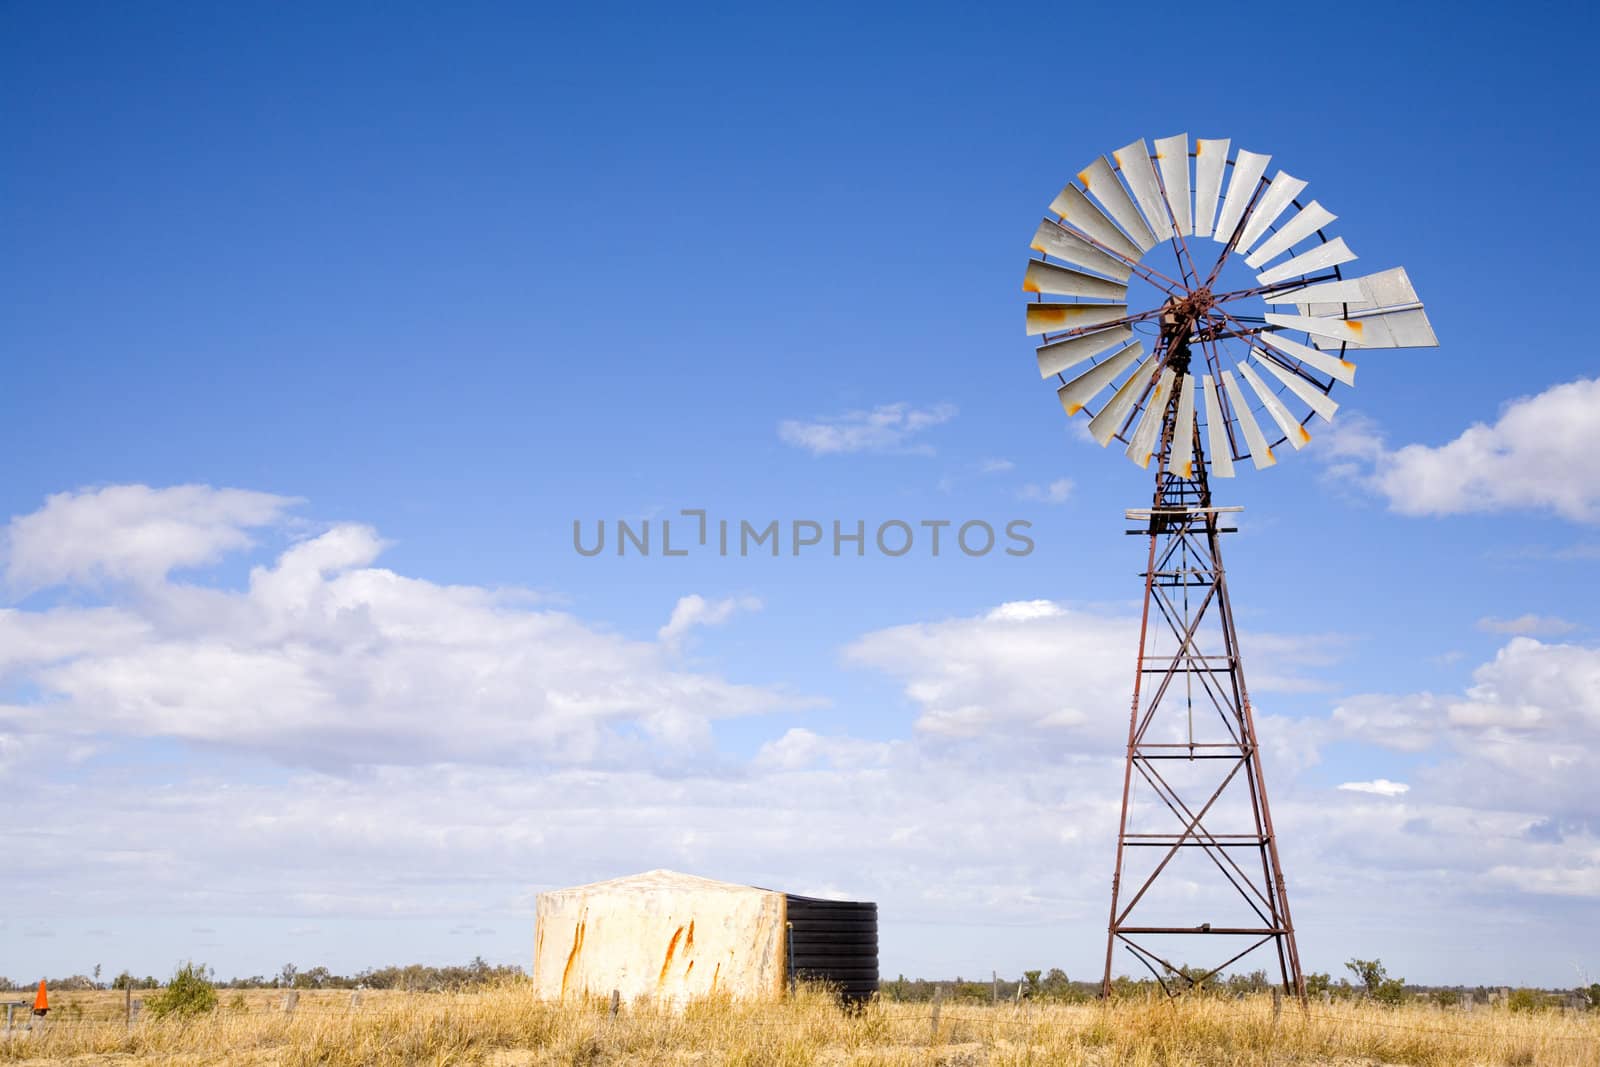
{"x":835,"y":941}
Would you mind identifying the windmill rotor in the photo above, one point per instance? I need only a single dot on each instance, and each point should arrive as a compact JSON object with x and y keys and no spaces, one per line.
{"x":1268,"y":356}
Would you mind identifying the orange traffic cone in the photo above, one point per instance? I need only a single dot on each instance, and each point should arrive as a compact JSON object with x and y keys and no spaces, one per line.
{"x":41,"y":1003}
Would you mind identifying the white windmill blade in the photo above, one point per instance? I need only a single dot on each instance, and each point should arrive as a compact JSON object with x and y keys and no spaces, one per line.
{"x":1297,"y":435}
{"x":1283,"y":189}
{"x":1310,"y":395}
{"x":1385,"y":289}
{"x":1102,"y":184}
{"x":1340,"y":370}
{"x":1076,"y":209}
{"x":1172,"y":157}
{"x":1247,"y":170}
{"x":1104,"y":426}
{"x":1321,"y":257}
{"x":1134,"y":159}
{"x":1311,"y":218}
{"x":1383,"y":329}
{"x":1076,"y":394}
{"x":1056,"y":240}
{"x":1180,"y":460}
{"x":1143,"y":443}
{"x":1219,"y":449}
{"x":1059,"y":355}
{"x":1210,"y":160}
{"x":1260,"y":454}
{"x":1042,"y":277}
{"x":1048,"y":318}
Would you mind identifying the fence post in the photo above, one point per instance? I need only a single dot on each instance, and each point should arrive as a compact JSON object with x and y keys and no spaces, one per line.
{"x":355,"y":999}
{"x":995,"y":975}
{"x":933,"y":1018}
{"x":616,"y":1002}
{"x":1277,"y":1004}
{"x":290,"y":999}
{"x":11,"y":1006}
{"x":127,"y":1003}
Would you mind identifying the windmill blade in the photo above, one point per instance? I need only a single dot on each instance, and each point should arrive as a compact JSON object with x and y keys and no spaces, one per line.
{"x":1172,"y":156}
{"x":1310,"y":395}
{"x":1311,"y":218}
{"x":1297,"y":435}
{"x":1102,"y":183}
{"x":1059,"y":355}
{"x":1219,"y":450}
{"x":1134,"y":159}
{"x":1105,"y":425}
{"x":1386,"y":329}
{"x":1076,"y":394}
{"x":1247,"y":170}
{"x":1385,"y":289}
{"x":1210,"y":160}
{"x":1042,"y":277}
{"x":1143,"y":444}
{"x":1340,"y":370}
{"x":1260,"y":454}
{"x":1055,"y":240}
{"x":1319,"y":258}
{"x":1048,"y":318}
{"x":1180,"y":460}
{"x":1273,"y":203}
{"x":1078,"y":210}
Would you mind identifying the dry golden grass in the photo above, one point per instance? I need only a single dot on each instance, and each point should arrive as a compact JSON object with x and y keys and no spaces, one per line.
{"x":506,"y":1026}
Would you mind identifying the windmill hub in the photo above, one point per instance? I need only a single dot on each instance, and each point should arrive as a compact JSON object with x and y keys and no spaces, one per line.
{"x":1186,"y":405}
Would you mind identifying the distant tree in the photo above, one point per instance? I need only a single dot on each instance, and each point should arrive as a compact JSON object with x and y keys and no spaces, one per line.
{"x":1526,"y":1000}
{"x":1446,"y":998}
{"x":1317,"y":984}
{"x":1375,"y":978}
{"x":190,"y":992}
{"x":1031,"y":986}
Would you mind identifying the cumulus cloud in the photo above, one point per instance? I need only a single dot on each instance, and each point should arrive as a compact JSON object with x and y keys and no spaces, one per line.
{"x":1537,"y":455}
{"x":1056,"y":492}
{"x":1528,"y":625}
{"x":132,"y":533}
{"x":886,"y":428}
{"x":1381,"y":787}
{"x":695,"y":610}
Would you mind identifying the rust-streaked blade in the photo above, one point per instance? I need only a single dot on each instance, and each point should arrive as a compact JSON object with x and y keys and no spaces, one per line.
{"x":1385,"y":289}
{"x":1172,"y":157}
{"x":1104,"y":426}
{"x":1142,"y":445}
{"x":1134,"y":159}
{"x":1059,"y":355}
{"x":1384,"y":329}
{"x":1048,"y":318}
{"x":1297,"y":435}
{"x":1309,"y":394}
{"x":1260,"y":454}
{"x":1086,"y":386}
{"x":1061,"y":243}
{"x":1181,"y":460}
{"x":1311,"y":218}
{"x":1210,"y":160}
{"x":1101,"y":181}
{"x":1218,"y":449}
{"x":1340,"y":370}
{"x":1042,"y":277}
{"x":1273,"y":203}
{"x":1248,"y":167}
{"x":1076,"y":209}
{"x":1319,"y":258}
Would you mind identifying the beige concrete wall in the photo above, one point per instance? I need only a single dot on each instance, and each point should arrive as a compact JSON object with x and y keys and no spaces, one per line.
{"x":662,"y":936}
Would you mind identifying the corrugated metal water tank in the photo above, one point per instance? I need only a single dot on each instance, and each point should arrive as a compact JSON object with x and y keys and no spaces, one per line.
{"x":672,"y":938}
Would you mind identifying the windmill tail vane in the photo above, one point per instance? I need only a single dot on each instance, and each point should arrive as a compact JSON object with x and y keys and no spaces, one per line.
{"x":1231,"y":375}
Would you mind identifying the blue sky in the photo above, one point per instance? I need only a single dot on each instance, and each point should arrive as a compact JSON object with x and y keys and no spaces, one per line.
{"x":425,"y":287}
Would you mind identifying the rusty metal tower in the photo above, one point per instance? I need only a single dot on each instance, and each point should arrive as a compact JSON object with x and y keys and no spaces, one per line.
{"x":1197,"y":866}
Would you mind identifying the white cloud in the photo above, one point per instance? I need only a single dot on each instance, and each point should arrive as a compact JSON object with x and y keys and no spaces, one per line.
{"x":695,"y":610}
{"x":1528,"y":625}
{"x":1381,"y":787}
{"x":1537,"y":455}
{"x":1056,"y":492}
{"x":887,"y":428}
{"x":132,"y":533}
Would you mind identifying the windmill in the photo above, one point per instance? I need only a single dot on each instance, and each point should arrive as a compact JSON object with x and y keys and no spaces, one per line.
{"x":1236,"y":353}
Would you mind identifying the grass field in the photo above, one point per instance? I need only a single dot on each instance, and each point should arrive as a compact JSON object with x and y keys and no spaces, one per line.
{"x":505,"y":1025}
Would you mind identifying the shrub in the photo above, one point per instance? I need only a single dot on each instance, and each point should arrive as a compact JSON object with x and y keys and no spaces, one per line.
{"x":189,"y":993}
